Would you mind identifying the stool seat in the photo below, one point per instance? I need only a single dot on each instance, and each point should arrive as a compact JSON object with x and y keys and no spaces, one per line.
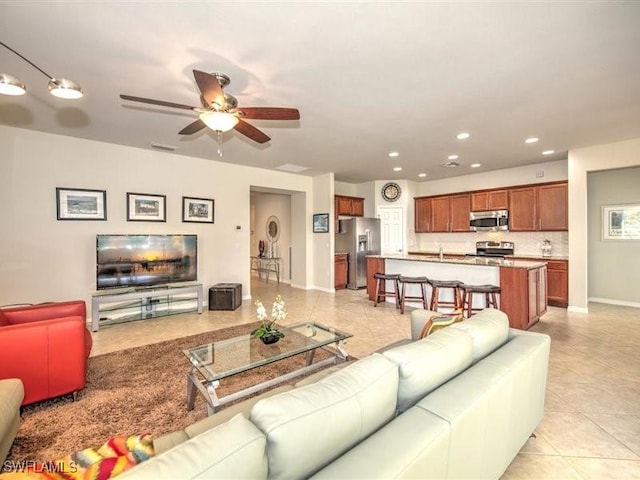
{"x":380,"y":279}
{"x":489,"y":292}
{"x":422,"y":281}
{"x":455,"y":304}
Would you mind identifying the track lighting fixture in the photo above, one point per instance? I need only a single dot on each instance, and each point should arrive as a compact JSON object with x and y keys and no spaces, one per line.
{"x":59,"y":87}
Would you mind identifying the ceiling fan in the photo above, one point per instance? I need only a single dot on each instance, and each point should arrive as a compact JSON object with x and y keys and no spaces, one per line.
{"x":220,"y":111}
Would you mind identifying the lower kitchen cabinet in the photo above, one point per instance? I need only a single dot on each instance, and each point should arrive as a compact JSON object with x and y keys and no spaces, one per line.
{"x":557,"y":280}
{"x":341,"y":271}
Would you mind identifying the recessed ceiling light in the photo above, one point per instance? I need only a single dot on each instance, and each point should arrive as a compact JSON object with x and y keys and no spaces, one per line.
{"x":463,"y":136}
{"x":548,"y":152}
{"x":393,"y":154}
{"x":397,"y":169}
{"x":451,"y":164}
{"x":475,"y":165}
{"x":531,"y":140}
{"x":422,"y":175}
{"x":452,"y":157}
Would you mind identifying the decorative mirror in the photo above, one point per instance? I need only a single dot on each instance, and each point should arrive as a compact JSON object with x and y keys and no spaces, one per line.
{"x":273,"y":228}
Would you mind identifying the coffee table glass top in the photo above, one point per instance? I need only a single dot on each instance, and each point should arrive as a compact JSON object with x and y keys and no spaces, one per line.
{"x":235,"y":355}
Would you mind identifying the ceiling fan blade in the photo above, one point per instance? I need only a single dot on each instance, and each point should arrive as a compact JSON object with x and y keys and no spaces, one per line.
{"x":252,"y":132}
{"x":270,"y":113}
{"x":156,"y":102}
{"x":192,"y":128}
{"x":209,"y":88}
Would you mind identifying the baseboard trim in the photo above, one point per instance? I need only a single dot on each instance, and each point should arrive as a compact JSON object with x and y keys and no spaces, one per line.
{"x":573,"y":309}
{"x":610,"y":301}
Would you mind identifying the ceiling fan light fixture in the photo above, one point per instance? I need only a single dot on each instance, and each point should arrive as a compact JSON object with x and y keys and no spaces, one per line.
{"x":10,"y":85}
{"x":219,"y":121}
{"x":65,"y":88}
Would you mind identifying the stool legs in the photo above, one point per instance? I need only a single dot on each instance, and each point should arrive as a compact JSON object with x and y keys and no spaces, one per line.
{"x":386,"y":293}
{"x":490,"y":300}
{"x":423,"y":296}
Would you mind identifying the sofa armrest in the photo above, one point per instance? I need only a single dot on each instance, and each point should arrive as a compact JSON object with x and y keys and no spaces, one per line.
{"x":45,"y":311}
{"x":48,"y":356}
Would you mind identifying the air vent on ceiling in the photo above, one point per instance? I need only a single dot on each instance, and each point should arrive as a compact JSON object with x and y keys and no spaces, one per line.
{"x":159,"y":146}
{"x":451,"y":164}
{"x":290,"y":167}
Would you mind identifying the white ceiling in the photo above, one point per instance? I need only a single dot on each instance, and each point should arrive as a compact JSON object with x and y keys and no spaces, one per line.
{"x":368,"y":78}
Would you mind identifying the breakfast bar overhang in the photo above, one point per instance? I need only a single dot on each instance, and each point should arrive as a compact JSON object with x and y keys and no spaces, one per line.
{"x":523,"y":284}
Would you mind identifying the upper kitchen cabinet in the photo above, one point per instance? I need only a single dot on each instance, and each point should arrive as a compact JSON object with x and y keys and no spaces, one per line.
{"x":422,"y":214}
{"x":447,"y":213}
{"x":489,"y":200}
{"x":349,"y":206}
{"x":538,"y":208}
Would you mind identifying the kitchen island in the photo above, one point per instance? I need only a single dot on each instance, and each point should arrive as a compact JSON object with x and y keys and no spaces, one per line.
{"x":523,"y":283}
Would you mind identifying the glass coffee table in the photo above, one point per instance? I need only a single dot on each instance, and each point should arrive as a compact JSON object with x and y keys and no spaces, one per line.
{"x":216,"y":361}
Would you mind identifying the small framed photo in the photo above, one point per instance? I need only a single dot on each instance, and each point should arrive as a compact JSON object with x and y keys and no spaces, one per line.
{"x":197,"y":210}
{"x":320,"y":223}
{"x":81,"y":204}
{"x":146,"y":207}
{"x":621,"y":222}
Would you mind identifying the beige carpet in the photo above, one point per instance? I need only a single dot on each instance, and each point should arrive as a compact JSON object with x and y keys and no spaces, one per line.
{"x":133,"y":391}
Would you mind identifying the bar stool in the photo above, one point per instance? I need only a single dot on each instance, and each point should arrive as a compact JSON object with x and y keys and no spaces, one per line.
{"x":436,"y":302}
{"x":489,"y":292}
{"x":422,"y":281}
{"x":385,"y":277}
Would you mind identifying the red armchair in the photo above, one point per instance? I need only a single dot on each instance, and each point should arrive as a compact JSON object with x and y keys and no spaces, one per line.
{"x":46,"y":346}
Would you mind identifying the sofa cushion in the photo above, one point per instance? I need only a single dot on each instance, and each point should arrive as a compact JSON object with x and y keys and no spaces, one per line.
{"x":235,"y":449}
{"x":310,"y":426}
{"x":428,"y":363}
{"x":489,"y":329}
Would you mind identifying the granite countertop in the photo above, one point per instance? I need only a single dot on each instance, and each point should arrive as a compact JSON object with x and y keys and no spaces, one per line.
{"x":457,"y":259}
{"x":540,"y":257}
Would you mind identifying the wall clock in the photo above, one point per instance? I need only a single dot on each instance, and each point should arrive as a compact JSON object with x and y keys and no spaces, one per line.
{"x":391,"y":192}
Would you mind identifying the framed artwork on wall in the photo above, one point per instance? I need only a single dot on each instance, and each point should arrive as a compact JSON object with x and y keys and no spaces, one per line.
{"x":320,"y":223}
{"x":197,"y":210}
{"x":146,"y":207}
{"x":621,"y":222}
{"x":81,"y":204}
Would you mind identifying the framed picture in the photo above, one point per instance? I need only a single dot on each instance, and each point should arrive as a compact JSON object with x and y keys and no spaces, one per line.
{"x":198,"y":210}
{"x":320,"y":223}
{"x":621,"y":222}
{"x":81,"y":204}
{"x":146,"y":207}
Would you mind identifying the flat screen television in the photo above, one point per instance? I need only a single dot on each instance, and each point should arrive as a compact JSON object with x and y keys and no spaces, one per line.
{"x":145,"y":260}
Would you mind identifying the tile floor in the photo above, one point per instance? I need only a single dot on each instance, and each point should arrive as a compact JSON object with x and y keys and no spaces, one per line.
{"x":591,"y":426}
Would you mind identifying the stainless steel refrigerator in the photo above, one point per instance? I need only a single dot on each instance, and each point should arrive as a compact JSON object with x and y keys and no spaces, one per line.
{"x":358,"y":237}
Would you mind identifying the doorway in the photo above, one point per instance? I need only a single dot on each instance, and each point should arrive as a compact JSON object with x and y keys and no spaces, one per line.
{"x":391,"y":230}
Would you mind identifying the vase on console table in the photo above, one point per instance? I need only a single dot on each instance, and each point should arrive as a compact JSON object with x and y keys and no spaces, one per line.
{"x":261,"y":247}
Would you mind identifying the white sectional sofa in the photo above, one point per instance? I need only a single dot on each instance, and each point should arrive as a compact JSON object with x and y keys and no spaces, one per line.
{"x":458,"y":404}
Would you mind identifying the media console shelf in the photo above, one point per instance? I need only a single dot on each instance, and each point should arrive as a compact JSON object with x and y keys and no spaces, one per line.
{"x":129,"y":304}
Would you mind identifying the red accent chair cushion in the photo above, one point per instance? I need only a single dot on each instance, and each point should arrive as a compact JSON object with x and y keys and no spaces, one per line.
{"x":46,"y":346}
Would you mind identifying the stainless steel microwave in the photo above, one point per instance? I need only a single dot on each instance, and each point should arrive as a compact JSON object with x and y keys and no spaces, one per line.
{"x":489,"y":221}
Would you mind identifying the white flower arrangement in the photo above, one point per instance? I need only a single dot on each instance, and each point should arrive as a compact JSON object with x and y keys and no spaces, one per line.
{"x":267,"y":327}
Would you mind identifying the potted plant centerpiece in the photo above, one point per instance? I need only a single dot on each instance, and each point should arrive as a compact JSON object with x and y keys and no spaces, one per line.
{"x":267,"y":331}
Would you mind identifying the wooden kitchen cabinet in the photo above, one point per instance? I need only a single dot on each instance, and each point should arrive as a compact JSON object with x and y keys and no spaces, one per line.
{"x":557,"y":280}
{"x":341,"y":271}
{"x":539,"y":208}
{"x":525,"y":298}
{"x":490,"y":200}
{"x":349,"y":206}
{"x":459,"y":208}
{"x":447,"y":213}
{"x":422,"y":215}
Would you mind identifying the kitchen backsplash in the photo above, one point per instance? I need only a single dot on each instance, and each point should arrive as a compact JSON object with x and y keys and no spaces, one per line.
{"x":526,"y":243}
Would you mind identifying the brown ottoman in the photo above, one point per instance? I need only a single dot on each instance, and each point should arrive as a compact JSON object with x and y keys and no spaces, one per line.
{"x":11,"y":396}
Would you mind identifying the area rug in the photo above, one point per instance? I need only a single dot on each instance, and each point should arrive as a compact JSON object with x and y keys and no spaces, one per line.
{"x":138,"y":390}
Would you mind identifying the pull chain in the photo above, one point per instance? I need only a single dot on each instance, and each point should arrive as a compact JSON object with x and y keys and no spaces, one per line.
{"x":219,"y":143}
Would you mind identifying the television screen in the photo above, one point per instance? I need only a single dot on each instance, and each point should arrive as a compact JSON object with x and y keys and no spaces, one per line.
{"x":145,"y":260}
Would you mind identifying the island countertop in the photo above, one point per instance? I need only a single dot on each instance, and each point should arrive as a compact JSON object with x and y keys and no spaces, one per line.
{"x":462,"y":260}
{"x":523,"y":290}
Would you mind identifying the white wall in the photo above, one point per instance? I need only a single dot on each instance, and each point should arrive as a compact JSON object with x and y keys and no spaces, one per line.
{"x":581,"y":162}
{"x":323,"y":243}
{"x":42,"y":259}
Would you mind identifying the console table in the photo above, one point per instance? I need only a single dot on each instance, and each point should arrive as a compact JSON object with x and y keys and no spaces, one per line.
{"x":266,"y":265}
{"x":124,"y":305}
